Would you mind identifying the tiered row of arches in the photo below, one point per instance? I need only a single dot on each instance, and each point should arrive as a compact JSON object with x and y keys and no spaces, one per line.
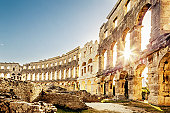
{"x":58,"y":68}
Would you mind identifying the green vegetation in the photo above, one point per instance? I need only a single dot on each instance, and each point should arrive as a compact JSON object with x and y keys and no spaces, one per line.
{"x":113,"y":101}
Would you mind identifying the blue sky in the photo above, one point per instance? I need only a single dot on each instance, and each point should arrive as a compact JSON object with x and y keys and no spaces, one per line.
{"x":33,"y":30}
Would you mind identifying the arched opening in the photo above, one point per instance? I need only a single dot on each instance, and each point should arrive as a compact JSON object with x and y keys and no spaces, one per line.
{"x":84,"y":64}
{"x":33,"y":77}
{"x":74,"y":72}
{"x":83,"y":85}
{"x":51,"y":75}
{"x":8,"y":75}
{"x":141,"y":90}
{"x":124,"y":84}
{"x":146,"y":30}
{"x":164,"y":80}
{"x":64,"y":73}
{"x":29,"y":77}
{"x":127,"y":50}
{"x":69,"y":72}
{"x":46,"y":76}
{"x":2,"y":74}
{"x":89,"y":61}
{"x":144,"y":20}
{"x":55,"y":75}
{"x":89,"y":86}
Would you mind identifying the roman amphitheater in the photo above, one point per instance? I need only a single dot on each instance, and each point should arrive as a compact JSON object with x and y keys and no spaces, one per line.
{"x":132,"y":53}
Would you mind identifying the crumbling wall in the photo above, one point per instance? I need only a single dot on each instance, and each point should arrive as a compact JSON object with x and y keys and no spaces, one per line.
{"x":21,"y":89}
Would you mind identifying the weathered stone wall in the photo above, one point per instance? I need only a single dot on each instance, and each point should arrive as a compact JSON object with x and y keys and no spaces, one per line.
{"x":10,"y":70}
{"x":88,"y":67}
{"x":21,"y":89}
{"x":24,"y":107}
{"x":123,"y":21}
{"x":56,"y":68}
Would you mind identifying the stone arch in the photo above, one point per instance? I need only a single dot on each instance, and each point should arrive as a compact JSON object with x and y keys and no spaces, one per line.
{"x":143,"y":24}
{"x":123,"y":84}
{"x":125,"y":46}
{"x":142,"y":13}
{"x":164,"y":80}
{"x":2,"y":75}
{"x":8,"y":75}
{"x":84,"y":64}
{"x":140,"y":82}
{"x":90,"y":61}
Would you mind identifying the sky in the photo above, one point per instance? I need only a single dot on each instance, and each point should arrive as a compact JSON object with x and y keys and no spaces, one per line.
{"x":33,"y":30}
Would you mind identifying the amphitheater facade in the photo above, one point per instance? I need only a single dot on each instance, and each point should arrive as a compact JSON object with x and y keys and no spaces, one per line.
{"x":132,"y":54}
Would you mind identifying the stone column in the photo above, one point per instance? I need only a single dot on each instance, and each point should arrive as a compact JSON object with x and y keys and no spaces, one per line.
{"x":58,"y":73}
{"x":109,"y":58}
{"x":135,"y":40}
{"x":67,"y":73}
{"x":119,"y":52}
{"x":107,"y":87}
{"x":119,"y":89}
{"x":71,"y":72}
{"x":53,"y":75}
{"x":86,"y":85}
{"x":31,"y":76}
{"x":101,"y":62}
{"x":92,"y":87}
{"x":26,"y":77}
{"x":45,"y":75}
{"x":76,"y":73}
{"x":40,"y":76}
{"x":99,"y":89}
{"x":62,"y":74}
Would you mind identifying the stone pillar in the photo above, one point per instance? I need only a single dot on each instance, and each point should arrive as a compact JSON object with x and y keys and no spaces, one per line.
{"x":53,"y":74}
{"x":45,"y":75}
{"x":76,"y":73}
{"x":5,"y":75}
{"x":40,"y":76}
{"x":86,"y":85}
{"x":67,"y":73}
{"x":62,"y":74}
{"x":35,"y":77}
{"x":99,"y":89}
{"x":107,"y":87}
{"x":109,"y":58}
{"x":92,"y":87}
{"x":71,"y":72}
{"x":58,"y":73}
{"x":101,"y":62}
{"x":119,"y":89}
{"x":135,"y":40}
{"x":119,"y":52}
{"x":31,"y":76}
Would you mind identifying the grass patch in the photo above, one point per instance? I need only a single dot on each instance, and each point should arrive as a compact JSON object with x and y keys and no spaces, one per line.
{"x":113,"y":101}
{"x":148,"y":107}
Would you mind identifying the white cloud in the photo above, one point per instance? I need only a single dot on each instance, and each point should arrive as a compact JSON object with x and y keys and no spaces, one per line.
{"x":2,"y":44}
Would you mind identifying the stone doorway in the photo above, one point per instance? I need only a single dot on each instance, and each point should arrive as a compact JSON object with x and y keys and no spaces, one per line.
{"x":140,"y":85}
{"x":164,"y":80}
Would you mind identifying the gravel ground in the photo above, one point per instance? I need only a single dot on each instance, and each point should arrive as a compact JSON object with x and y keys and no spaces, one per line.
{"x":110,"y":107}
